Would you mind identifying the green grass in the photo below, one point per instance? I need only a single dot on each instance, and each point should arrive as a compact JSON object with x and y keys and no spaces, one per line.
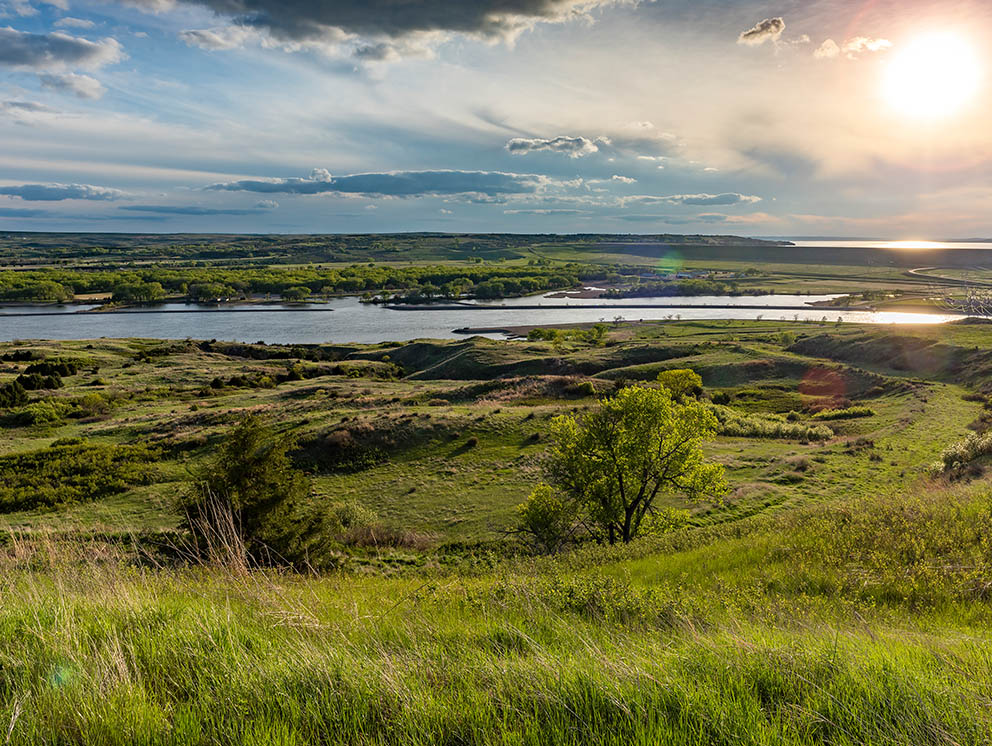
{"x":837,"y":595}
{"x":862,"y":623}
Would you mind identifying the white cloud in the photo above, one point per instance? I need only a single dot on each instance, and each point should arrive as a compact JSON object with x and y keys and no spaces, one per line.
{"x":81,"y":86}
{"x":852,"y":48}
{"x":70,"y":22}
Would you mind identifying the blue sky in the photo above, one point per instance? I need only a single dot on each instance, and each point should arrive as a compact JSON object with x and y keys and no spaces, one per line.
{"x":714,"y":116}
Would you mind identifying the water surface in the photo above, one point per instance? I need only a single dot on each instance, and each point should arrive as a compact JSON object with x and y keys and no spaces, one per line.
{"x":348,"y":320}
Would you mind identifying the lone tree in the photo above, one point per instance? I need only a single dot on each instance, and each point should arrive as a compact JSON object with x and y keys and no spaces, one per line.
{"x":611,"y":466}
{"x":241,"y":504}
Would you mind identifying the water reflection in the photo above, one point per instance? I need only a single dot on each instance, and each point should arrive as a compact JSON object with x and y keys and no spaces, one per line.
{"x":348,"y":320}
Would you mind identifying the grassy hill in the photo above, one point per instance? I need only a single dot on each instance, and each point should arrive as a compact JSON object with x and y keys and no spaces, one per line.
{"x":839,"y":594}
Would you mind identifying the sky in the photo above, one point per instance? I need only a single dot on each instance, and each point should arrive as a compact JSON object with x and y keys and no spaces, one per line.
{"x":862,"y":118}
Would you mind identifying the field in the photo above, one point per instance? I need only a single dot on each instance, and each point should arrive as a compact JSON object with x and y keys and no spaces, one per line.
{"x":838,"y":594}
{"x":139,"y":269}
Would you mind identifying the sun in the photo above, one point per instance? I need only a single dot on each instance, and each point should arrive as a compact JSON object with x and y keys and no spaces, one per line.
{"x":933,"y":77}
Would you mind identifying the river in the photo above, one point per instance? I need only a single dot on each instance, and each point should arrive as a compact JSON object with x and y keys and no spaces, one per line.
{"x":348,"y":320}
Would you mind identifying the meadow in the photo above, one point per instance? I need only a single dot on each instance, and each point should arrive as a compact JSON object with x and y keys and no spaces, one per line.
{"x":839,"y":593}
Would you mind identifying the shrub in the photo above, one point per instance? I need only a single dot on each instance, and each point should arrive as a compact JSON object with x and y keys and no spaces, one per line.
{"x":682,"y":382}
{"x":844,"y":414}
{"x":54,"y":367}
{"x":70,"y":471}
{"x":37,"y":382}
{"x":548,"y":520}
{"x":737,"y":425}
{"x":12,"y":395}
{"x":722,"y":397}
{"x":43,"y":412}
{"x":585,"y":388}
{"x":963,"y":454}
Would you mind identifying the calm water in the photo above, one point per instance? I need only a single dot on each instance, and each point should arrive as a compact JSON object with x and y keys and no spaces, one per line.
{"x":853,"y":244}
{"x":347,"y":320}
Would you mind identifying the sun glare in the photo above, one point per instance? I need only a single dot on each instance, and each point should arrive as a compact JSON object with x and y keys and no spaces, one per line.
{"x":933,"y":77}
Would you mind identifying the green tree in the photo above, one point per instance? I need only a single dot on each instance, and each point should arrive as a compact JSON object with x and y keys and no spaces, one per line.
{"x":614,"y":463}
{"x":296,"y":293}
{"x":243,"y":500}
{"x":683,"y":382}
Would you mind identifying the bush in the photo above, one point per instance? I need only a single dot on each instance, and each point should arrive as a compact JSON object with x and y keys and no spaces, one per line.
{"x":548,"y":520}
{"x":737,"y":425}
{"x":71,"y":471}
{"x":682,"y":383}
{"x":38,"y":382}
{"x":963,"y":454}
{"x":844,"y":414}
{"x":585,"y":388}
{"x":43,"y":412}
{"x":54,"y":368}
{"x":12,"y":395}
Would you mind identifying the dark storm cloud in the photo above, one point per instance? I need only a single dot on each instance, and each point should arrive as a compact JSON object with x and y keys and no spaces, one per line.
{"x":59,"y":192}
{"x":314,"y":20}
{"x":191,"y":210}
{"x":770,"y":29}
{"x":55,"y":51}
{"x":394,"y":184}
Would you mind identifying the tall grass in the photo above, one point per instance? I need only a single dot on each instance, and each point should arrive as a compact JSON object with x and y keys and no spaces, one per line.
{"x":830,"y":626}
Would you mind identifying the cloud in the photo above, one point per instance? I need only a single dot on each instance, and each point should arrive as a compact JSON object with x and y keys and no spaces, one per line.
{"x":191,"y":210}
{"x":59,"y":192}
{"x":22,"y":212}
{"x":14,"y":108}
{"x":726,"y":199}
{"x":486,"y":184}
{"x":81,"y":86}
{"x":228,"y":37}
{"x":545,"y":212}
{"x":623,"y":179}
{"x":770,"y":29}
{"x":70,"y":22}
{"x":56,"y":51}
{"x":852,"y":48}
{"x":573,"y":147}
{"x":309,"y":20}
{"x":267,"y":204}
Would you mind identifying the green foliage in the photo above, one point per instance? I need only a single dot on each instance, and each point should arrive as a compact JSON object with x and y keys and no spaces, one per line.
{"x":138,"y":292}
{"x":43,"y":412}
{"x":247,"y":495}
{"x":71,"y":472}
{"x":681,"y":383}
{"x":548,"y":520}
{"x":616,"y":461}
{"x":844,"y":414}
{"x":738,"y":425}
{"x":296,"y":293}
{"x":12,"y":394}
{"x":964,"y":454}
{"x":54,"y":367}
{"x":595,"y":335}
{"x":38,"y":382}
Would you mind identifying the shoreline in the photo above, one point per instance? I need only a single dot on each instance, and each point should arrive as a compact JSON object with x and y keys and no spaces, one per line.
{"x":621,"y":307}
